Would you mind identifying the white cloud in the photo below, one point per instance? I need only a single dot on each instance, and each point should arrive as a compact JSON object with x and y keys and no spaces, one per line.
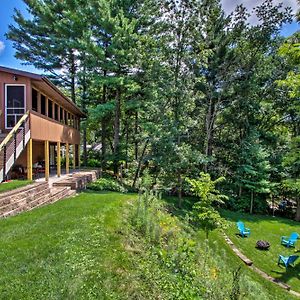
{"x":229,"y":5}
{"x":2,"y":46}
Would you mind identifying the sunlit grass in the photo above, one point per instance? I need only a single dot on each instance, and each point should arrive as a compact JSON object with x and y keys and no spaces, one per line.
{"x":13,"y":184}
{"x":270,"y":229}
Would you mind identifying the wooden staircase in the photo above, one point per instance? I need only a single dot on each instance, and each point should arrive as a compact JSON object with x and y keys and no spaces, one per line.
{"x":30,"y":197}
{"x":13,"y":144}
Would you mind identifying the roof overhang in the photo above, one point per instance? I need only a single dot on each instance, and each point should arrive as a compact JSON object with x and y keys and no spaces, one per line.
{"x":48,"y":87}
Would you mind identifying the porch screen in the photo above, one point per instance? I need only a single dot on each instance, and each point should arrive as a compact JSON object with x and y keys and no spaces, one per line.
{"x":15,"y":104}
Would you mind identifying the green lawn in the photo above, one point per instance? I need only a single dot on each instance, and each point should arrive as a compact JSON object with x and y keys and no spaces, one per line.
{"x":269,"y":229}
{"x":68,"y":250}
{"x":77,"y":249}
{"x":13,"y":184}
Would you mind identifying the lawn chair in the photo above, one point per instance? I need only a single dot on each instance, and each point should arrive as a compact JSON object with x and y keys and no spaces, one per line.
{"x":243,"y":231}
{"x":287,"y":260}
{"x":290,"y":241}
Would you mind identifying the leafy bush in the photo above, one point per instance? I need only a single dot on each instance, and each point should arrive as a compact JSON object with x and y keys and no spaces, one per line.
{"x":94,"y":163}
{"x":243,"y":204}
{"x":105,"y":184}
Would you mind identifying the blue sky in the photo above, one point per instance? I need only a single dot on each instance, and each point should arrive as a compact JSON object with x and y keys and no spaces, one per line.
{"x":7,"y":51}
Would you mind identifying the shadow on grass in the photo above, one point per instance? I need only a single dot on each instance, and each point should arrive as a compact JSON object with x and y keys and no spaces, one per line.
{"x":236,"y":216}
{"x":287,"y":273}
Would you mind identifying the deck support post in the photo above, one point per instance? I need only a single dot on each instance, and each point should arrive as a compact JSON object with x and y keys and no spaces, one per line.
{"x":58,"y":160}
{"x":29,"y":160}
{"x":78,"y":155}
{"x":74,"y":156}
{"x":47,"y":167}
{"x":67,"y":158}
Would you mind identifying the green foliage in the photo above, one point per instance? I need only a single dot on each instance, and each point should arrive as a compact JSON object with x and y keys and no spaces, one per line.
{"x":177,"y":263}
{"x":106,"y":184}
{"x":207,"y":90}
{"x":93,"y":162}
{"x":204,"y":214}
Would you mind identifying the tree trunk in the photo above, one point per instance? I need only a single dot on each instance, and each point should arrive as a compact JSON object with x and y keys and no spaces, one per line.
{"x":179,"y":190}
{"x":240,"y":191}
{"x":73,"y":76}
{"x":209,"y":129}
{"x":297,"y":218}
{"x":251,"y":203}
{"x":117,"y":123}
{"x":127,"y":140}
{"x":136,"y":143}
{"x":84,"y":100}
{"x":103,"y":129}
{"x":137,"y":173}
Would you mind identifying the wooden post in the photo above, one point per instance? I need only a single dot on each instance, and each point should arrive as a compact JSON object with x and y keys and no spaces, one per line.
{"x":47,"y":167}
{"x":78,"y":155}
{"x":74,"y":156}
{"x":67,"y":159}
{"x":29,"y":160}
{"x":58,"y":160}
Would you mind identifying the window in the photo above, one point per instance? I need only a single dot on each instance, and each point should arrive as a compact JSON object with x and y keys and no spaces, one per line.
{"x":34,"y":100}
{"x":61,"y":115}
{"x":15,"y":104}
{"x":50,"y":108}
{"x":66,"y":118}
{"x":56,"y":112}
{"x":69,"y":119}
{"x":43,"y":105}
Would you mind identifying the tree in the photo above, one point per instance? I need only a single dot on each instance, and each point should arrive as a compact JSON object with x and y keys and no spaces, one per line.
{"x":203,"y":211}
{"x":254,"y":169}
{"x":291,"y":163}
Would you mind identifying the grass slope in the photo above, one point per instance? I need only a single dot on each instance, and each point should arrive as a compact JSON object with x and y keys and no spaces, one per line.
{"x":76,"y":249}
{"x":69,"y":250}
{"x":13,"y":184}
{"x":269,"y":229}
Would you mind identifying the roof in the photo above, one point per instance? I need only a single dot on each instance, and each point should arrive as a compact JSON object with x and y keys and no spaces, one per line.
{"x":44,"y":79}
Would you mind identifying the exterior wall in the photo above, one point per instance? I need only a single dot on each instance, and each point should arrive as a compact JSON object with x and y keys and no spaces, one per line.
{"x":43,"y":128}
{"x":37,"y":154}
{"x":7,"y":78}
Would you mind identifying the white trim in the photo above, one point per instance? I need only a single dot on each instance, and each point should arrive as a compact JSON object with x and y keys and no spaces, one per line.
{"x":5,"y":104}
{"x":10,"y":162}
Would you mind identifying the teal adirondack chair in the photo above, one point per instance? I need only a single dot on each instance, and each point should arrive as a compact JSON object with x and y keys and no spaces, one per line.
{"x":242,"y":229}
{"x":291,"y":240}
{"x":287,"y":260}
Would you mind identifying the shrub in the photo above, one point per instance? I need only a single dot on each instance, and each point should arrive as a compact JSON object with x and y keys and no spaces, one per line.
{"x":105,"y":184}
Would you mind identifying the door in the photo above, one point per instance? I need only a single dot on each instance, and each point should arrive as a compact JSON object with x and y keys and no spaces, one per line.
{"x":15,"y":104}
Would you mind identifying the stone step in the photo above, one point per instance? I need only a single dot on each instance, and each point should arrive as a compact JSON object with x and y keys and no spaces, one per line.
{"x":43,"y":197}
{"x":56,"y":194}
{"x":20,"y":193}
{"x":24,"y":201}
{"x":78,"y":181}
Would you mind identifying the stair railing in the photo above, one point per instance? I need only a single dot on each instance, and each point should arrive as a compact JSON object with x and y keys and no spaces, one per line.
{"x":14,"y":143}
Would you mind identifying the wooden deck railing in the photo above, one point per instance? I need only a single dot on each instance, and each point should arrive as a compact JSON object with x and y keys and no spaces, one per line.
{"x":13,"y":144}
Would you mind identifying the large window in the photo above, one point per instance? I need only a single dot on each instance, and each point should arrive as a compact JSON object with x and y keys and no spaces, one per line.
{"x":50,"y":108}
{"x":56,"y":112}
{"x":43,"y":105}
{"x":34,"y":100}
{"x":15,"y":103}
{"x":61,"y":115}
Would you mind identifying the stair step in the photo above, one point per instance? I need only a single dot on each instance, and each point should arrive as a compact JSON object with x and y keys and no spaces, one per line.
{"x":24,"y":201}
{"x":32,"y":201}
{"x":17,"y":194}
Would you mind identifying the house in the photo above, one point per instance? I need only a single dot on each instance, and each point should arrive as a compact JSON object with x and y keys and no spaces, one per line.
{"x":38,"y":123}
